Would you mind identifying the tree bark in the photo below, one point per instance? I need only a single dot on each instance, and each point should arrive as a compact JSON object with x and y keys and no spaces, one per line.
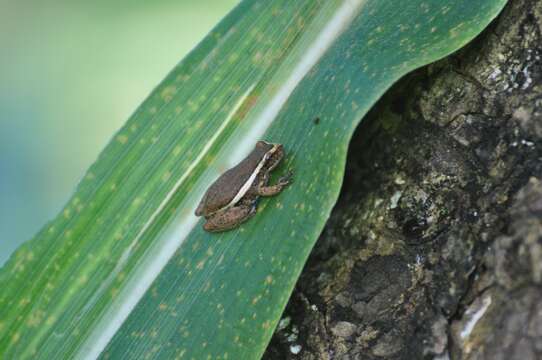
{"x":434,"y":249}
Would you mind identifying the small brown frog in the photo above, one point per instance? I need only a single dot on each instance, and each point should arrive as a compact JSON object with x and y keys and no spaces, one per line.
{"x":232,"y":198}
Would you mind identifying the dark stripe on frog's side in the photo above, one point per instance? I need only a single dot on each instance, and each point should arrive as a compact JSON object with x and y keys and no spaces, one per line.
{"x":228,"y":185}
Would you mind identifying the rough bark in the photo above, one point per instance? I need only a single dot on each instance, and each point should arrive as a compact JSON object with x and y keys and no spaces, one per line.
{"x":434,"y":249}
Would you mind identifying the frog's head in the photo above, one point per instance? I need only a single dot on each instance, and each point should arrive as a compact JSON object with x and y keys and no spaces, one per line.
{"x":264,"y":146}
{"x":277,"y":151}
{"x":269,"y":148}
{"x":273,"y":153}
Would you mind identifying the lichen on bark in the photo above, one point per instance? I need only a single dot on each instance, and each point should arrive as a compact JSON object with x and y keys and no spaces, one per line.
{"x":434,"y":249}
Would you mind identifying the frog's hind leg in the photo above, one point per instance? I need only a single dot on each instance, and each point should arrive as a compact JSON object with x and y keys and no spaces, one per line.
{"x":272,"y":190}
{"x":230,"y":218}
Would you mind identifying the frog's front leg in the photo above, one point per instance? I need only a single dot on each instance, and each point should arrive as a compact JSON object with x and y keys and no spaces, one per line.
{"x":229,"y":218}
{"x":272,"y":190}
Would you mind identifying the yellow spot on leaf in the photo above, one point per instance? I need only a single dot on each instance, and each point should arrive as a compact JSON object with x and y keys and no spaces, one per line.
{"x":35,"y":318}
{"x":183,"y":77}
{"x":166,"y":176}
{"x":177,"y":150}
{"x":193,"y":106}
{"x":82,"y":280}
{"x":50,"y":320}
{"x":15,"y":338}
{"x":114,"y":292}
{"x":168,"y":92}
{"x":257,"y":57}
{"x":233,"y":57}
{"x":123,"y":139}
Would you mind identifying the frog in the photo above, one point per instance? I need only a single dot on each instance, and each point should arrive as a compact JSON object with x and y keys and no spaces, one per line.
{"x":232,"y":198}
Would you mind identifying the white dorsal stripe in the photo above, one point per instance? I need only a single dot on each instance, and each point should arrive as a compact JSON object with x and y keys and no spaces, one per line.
{"x":153,"y":262}
{"x":246,"y":186}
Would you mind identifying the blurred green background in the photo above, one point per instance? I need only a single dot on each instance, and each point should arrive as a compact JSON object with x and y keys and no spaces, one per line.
{"x":71,"y":73}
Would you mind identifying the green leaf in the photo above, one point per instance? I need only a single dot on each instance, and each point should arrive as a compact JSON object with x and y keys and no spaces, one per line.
{"x":126,"y":270}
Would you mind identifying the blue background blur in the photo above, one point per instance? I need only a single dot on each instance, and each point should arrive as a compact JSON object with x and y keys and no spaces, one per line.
{"x":71,"y":73}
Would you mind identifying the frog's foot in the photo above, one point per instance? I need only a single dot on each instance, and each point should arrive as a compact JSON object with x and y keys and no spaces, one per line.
{"x":277,"y":188}
{"x":230,"y":218}
{"x":286,"y":179}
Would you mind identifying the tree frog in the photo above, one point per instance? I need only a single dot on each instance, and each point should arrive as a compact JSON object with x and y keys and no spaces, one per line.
{"x":232,"y":198}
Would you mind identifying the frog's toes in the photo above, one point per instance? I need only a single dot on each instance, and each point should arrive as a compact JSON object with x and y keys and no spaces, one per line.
{"x":287,"y":179}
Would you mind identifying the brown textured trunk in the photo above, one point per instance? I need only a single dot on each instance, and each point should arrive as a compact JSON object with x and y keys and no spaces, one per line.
{"x":434,"y":249}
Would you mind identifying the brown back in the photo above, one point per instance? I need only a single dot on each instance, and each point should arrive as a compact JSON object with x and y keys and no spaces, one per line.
{"x":224,"y":189}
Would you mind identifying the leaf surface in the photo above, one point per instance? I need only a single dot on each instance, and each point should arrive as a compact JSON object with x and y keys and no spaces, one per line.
{"x":126,"y":271}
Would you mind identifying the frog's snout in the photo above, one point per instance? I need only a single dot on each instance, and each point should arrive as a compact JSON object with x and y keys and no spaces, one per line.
{"x":199,"y":210}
